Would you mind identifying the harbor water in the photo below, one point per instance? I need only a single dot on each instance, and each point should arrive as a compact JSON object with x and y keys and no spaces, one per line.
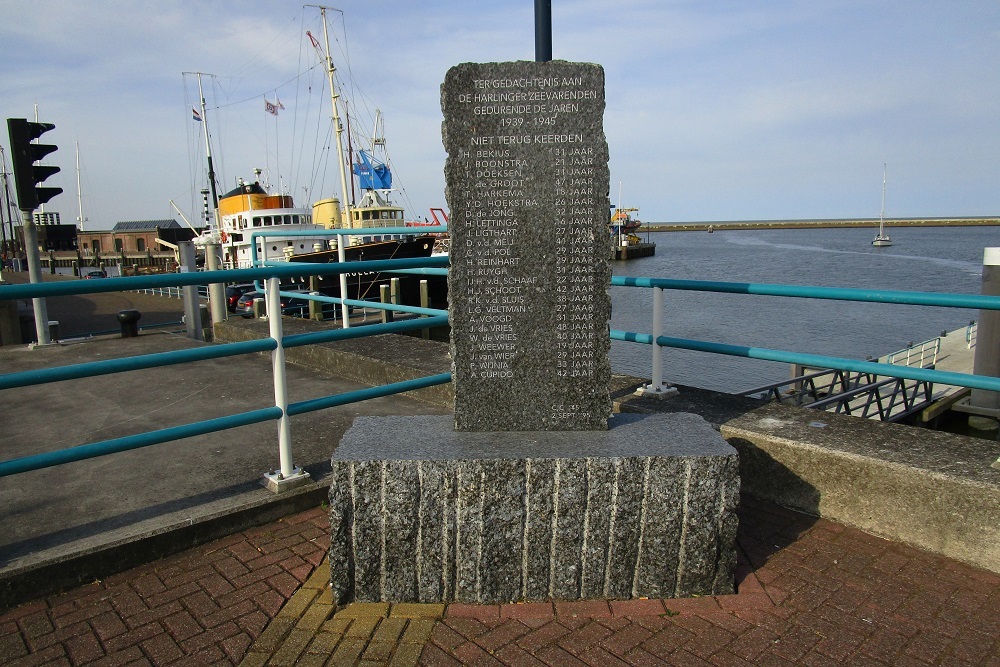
{"x":922,"y":259}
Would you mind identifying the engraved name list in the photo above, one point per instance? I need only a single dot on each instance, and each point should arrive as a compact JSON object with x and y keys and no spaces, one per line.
{"x":527,"y":186}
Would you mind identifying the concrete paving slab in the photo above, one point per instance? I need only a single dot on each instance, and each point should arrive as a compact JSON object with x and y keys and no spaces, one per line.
{"x":86,"y":507}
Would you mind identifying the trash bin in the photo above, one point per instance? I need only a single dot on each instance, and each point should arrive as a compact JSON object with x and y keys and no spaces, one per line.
{"x":130,"y":322}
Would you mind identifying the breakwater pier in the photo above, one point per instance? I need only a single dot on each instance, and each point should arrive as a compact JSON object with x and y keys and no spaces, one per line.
{"x":730,"y":225}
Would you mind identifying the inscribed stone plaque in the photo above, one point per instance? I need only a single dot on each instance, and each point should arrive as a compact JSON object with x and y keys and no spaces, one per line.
{"x":527,"y":186}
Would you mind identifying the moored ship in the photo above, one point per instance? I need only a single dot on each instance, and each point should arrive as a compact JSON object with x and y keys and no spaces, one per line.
{"x":252,"y":224}
{"x":625,"y":242}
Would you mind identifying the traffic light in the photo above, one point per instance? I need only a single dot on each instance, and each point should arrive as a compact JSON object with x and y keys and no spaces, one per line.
{"x":24,"y":154}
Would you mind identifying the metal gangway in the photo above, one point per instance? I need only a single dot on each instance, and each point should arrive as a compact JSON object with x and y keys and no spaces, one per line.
{"x":860,"y":394}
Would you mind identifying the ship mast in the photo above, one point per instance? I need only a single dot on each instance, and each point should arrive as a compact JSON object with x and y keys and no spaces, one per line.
{"x":208,"y":144}
{"x":6,"y":219}
{"x":337,"y":125}
{"x":881,"y":215}
{"x":339,"y":130}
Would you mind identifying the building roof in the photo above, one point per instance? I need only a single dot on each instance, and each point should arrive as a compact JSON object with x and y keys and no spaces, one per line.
{"x":145,"y":225}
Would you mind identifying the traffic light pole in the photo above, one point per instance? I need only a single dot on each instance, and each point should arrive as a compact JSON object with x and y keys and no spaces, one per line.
{"x":35,"y":276}
{"x":25,"y":155}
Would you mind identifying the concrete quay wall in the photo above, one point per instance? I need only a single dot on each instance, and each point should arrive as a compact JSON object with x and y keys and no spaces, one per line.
{"x":929,"y":489}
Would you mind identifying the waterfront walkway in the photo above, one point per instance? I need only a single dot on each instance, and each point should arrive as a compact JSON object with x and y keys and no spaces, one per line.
{"x":811,"y":592}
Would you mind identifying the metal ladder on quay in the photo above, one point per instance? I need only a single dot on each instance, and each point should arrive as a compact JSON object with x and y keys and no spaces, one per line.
{"x":860,"y":394}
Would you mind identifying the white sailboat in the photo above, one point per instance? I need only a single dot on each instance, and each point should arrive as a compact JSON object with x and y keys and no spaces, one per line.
{"x":882,"y":239}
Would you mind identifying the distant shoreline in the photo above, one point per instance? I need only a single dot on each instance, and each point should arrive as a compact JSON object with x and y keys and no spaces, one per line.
{"x":812,"y":224}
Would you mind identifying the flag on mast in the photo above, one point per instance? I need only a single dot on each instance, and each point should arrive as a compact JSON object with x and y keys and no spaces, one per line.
{"x":272,"y":107}
{"x":196,"y":115}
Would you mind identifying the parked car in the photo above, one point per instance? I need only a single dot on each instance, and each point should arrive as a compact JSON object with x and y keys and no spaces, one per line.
{"x":299,"y":306}
{"x":244,"y":305}
{"x":234,"y":292}
{"x":95,"y":274}
{"x":292,"y":306}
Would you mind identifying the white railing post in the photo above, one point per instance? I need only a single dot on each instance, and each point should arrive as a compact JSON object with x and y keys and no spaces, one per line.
{"x":288,"y":476}
{"x":657,"y":387}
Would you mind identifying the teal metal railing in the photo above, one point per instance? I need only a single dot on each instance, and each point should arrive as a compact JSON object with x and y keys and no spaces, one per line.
{"x":658,"y":341}
{"x":277,"y":342}
{"x":263,"y":234}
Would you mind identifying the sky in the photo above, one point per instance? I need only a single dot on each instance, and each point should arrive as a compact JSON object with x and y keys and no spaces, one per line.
{"x":716,"y":110}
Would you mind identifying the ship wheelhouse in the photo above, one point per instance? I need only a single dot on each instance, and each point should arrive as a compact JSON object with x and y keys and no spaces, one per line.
{"x":248,"y":209}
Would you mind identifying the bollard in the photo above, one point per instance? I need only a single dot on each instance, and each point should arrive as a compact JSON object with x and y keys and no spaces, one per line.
{"x":315,"y":307}
{"x":385,"y":298}
{"x":129,"y":320}
{"x":987,"y":357}
{"x":394,"y":290}
{"x":424,"y":303}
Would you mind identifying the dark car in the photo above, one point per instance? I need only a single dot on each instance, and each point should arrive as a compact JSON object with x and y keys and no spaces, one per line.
{"x":95,"y":274}
{"x":234,"y":292}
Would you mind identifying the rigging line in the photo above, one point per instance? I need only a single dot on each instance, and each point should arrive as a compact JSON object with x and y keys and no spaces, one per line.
{"x":294,"y":168}
{"x":278,"y":34}
{"x":257,"y":96}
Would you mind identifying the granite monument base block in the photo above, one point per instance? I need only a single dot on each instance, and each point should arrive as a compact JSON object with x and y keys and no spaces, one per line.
{"x":422,"y":513}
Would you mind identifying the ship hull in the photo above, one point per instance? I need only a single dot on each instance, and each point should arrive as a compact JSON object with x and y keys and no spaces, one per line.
{"x":366,"y":285}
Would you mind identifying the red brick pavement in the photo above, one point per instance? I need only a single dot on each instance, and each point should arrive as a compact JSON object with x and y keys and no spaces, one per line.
{"x":811,"y":592}
{"x":204,"y":606}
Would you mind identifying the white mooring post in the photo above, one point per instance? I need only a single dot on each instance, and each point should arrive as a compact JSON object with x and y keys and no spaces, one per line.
{"x":987,"y":357}
{"x":216,"y":291}
{"x":657,"y":387}
{"x":287,"y":476}
{"x":189,"y":293}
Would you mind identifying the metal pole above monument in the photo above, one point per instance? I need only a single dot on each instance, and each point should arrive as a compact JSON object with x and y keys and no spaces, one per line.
{"x":543,"y":31}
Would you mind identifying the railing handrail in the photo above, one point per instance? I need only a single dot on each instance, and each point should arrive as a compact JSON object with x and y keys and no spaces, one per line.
{"x":816,"y":360}
{"x":981,"y":301}
{"x":278,"y":341}
{"x":285,"y":270}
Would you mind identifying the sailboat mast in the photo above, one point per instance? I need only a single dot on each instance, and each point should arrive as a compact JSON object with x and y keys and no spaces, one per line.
{"x":337,"y":125}
{"x":881,"y":215}
{"x":208,"y":145}
{"x":5,"y":218}
{"x":79,"y":191}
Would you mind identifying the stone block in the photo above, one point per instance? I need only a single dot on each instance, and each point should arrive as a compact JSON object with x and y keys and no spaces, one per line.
{"x":422,"y":513}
